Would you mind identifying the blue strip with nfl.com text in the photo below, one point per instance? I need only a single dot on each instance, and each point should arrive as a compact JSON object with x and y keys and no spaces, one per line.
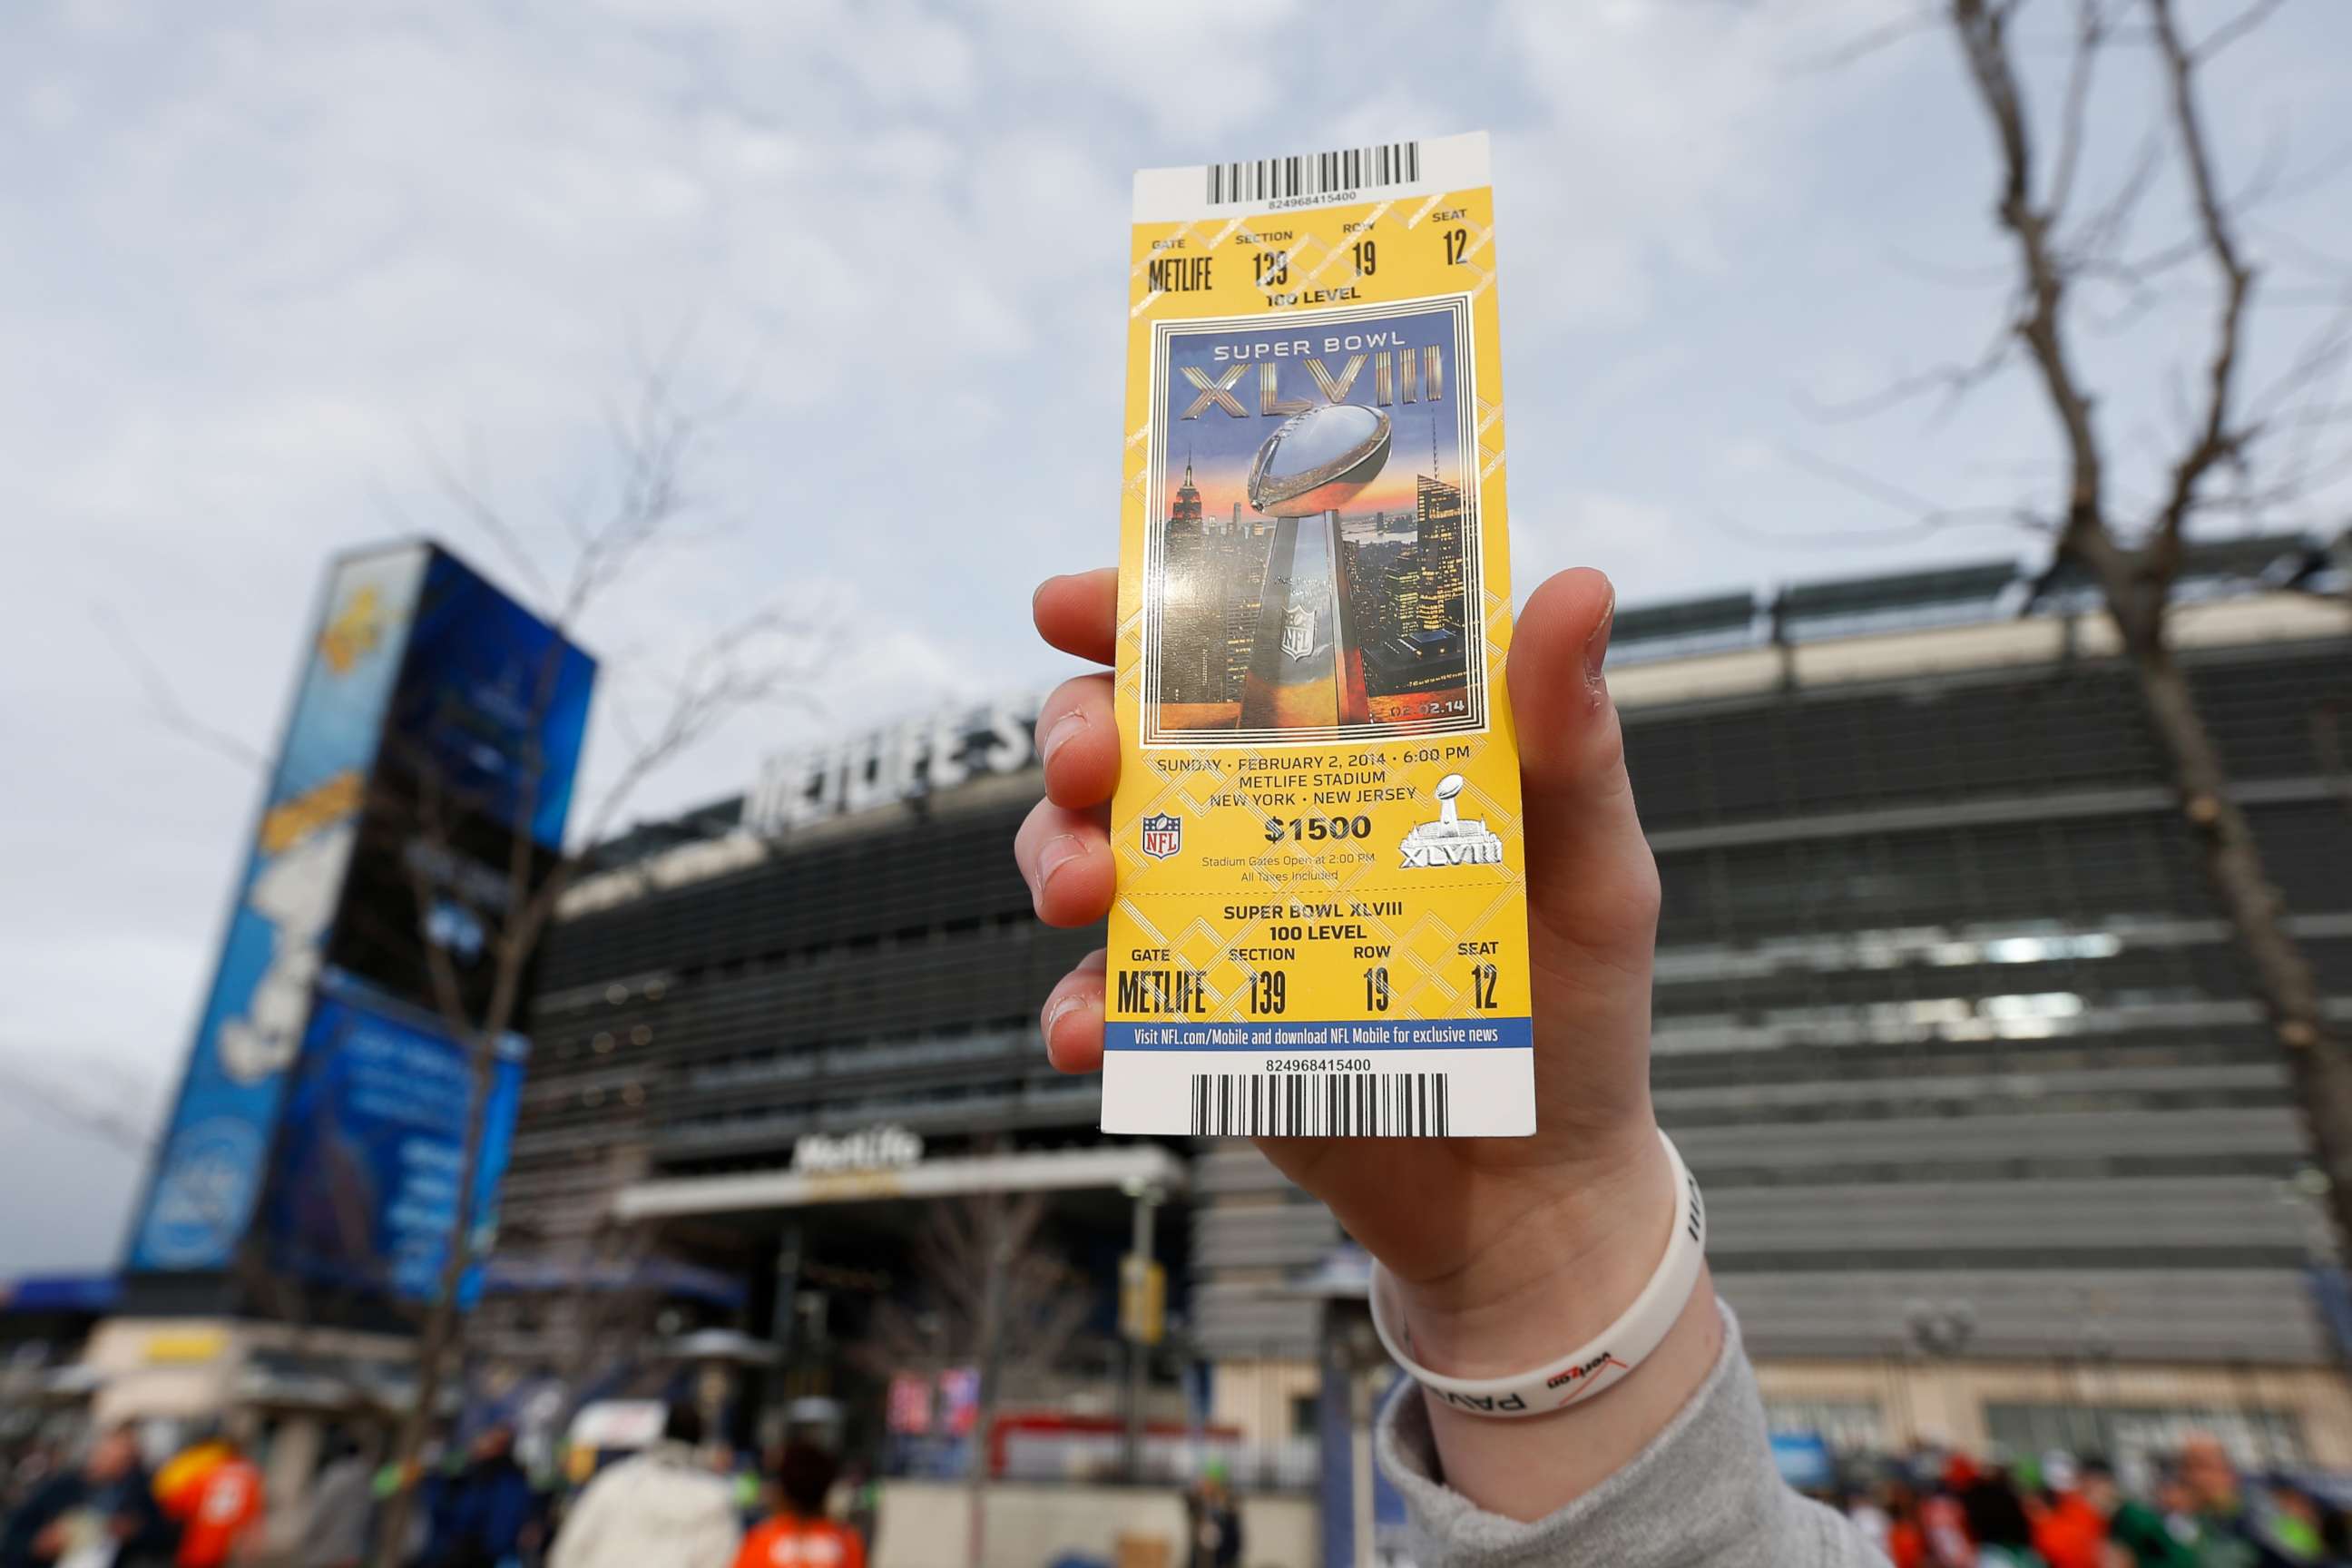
{"x":1355,"y":1035}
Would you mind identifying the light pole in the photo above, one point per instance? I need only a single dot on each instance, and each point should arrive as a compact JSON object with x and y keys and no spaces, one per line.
{"x":1142,"y":1301}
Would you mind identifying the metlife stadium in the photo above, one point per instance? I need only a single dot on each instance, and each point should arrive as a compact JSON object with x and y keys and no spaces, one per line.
{"x":1996,"y":1144}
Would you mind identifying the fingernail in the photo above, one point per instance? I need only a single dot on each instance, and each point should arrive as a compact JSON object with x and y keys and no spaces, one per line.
{"x":1596,"y":654}
{"x":1060,"y":1009}
{"x":1065,"y":729}
{"x":1058,"y":853}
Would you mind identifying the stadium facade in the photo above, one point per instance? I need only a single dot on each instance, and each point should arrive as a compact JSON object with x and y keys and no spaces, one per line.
{"x":1996,"y":1145}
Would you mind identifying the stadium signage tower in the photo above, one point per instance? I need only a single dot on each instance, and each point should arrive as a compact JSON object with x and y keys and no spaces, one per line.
{"x":314,"y":1146}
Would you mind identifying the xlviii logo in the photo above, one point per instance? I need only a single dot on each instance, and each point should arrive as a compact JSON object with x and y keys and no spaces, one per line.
{"x":1451,"y":840}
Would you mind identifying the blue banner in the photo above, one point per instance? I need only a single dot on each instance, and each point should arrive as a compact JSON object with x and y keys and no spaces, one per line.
{"x":1804,"y":1461}
{"x":370,"y":1163}
{"x":201,"y":1196}
{"x":481,"y":743}
{"x":436,"y":722}
{"x":492,"y":695}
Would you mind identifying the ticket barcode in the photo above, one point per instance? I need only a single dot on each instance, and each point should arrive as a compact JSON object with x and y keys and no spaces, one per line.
{"x":1309,"y":175}
{"x":1321,"y":1105}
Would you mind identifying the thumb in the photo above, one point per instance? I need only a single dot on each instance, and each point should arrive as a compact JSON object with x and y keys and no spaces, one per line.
{"x":1592,"y":884}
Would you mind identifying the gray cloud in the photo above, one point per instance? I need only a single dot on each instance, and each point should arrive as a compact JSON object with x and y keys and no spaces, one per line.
{"x":266,"y":267}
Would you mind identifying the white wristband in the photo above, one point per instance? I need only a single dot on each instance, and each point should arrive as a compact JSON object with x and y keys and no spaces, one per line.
{"x":1590,"y":1368}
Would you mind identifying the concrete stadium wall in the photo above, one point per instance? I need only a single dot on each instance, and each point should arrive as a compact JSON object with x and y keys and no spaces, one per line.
{"x":1030,"y":1525}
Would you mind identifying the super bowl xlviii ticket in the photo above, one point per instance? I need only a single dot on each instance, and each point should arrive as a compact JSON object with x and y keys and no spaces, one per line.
{"x":1321,"y":921}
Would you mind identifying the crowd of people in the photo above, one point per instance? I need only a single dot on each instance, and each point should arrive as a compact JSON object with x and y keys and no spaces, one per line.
{"x":2200,"y":1511}
{"x":668,"y":1505}
{"x":107,"y":1511}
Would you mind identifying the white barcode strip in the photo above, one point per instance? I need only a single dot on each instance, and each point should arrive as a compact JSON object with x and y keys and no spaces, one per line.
{"x":1311,"y":175}
{"x":1321,"y":1105}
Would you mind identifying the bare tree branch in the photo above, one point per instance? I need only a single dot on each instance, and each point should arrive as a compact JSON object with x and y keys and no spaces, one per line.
{"x":2136,"y":579}
{"x":1926,"y":517}
{"x":969,"y":1249}
{"x":2090,"y":42}
{"x":1862,"y":46}
{"x":2323,"y":171}
{"x":1992,"y":275}
{"x":1983,"y":30}
{"x":2217,"y":438}
{"x":752,"y":661}
{"x":441,"y":969}
{"x":1954,"y":381}
{"x":770,"y":656}
{"x":2231,"y":31}
{"x":716,"y":685}
{"x":34,"y":1089}
{"x":476,"y":508}
{"x":2105,"y":231}
{"x":165,"y":706}
{"x":2317,"y":363}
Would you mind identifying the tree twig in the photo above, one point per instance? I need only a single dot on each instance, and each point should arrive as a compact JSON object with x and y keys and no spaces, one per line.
{"x":1954,"y":381}
{"x":1926,"y":517}
{"x":1983,"y":30}
{"x":2090,"y":42}
{"x":164,"y":705}
{"x":34,"y":1089}
{"x":2217,"y":438}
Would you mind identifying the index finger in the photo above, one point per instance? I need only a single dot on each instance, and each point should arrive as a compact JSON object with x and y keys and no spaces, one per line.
{"x":1079,"y":613}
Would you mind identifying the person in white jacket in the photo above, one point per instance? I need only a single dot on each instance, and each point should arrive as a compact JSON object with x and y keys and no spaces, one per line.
{"x":658,"y":1508}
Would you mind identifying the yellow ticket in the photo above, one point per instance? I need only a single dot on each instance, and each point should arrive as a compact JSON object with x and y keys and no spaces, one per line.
{"x":1321,"y":922}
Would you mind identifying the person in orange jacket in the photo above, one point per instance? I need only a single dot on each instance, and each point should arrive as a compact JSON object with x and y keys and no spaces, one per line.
{"x":183,"y":1475}
{"x":801,"y":1536}
{"x":1906,"y":1543}
{"x":2067,"y":1530}
{"x":218,"y":1507}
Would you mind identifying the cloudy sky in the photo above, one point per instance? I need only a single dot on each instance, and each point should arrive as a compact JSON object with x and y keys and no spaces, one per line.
{"x":271,"y":268}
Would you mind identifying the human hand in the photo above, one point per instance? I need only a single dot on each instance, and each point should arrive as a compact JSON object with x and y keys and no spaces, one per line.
{"x":1508,"y":1251}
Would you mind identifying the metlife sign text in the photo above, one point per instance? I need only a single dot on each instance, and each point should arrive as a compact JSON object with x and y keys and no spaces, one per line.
{"x":868,"y":1149}
{"x":905,"y":761}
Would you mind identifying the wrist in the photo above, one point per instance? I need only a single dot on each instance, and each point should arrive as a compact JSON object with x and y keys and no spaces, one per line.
{"x":1574,"y":1251}
{"x":1599,"y":1258}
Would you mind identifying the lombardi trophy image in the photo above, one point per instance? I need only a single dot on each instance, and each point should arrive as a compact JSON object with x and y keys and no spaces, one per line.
{"x":1307,"y":660}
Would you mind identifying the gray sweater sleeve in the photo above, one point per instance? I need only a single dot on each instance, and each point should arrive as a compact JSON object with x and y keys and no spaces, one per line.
{"x":1704,"y":1494}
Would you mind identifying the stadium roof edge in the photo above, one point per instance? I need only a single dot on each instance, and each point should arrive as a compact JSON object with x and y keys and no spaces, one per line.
{"x":1905,"y":653}
{"x":1722,"y":646}
{"x":2254,"y":560}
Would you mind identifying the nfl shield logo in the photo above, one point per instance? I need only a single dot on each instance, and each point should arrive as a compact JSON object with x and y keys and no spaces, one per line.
{"x":1162,"y":837}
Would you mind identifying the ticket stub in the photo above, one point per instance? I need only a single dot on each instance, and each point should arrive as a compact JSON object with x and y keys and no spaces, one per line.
{"x":1321,"y":920}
